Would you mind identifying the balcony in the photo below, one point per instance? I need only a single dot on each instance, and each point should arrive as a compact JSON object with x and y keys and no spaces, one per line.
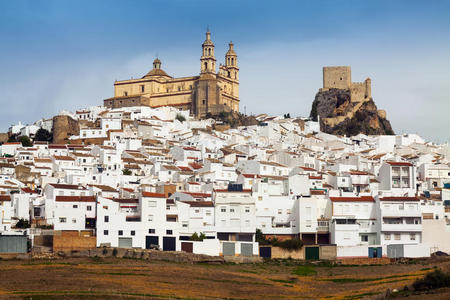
{"x":400,"y":213}
{"x":401,"y":227}
{"x":323,"y":226}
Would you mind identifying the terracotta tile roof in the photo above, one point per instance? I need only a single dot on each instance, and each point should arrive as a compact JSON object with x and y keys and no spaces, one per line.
{"x":104,"y":188}
{"x":59,"y":157}
{"x":75,"y":198}
{"x":399,"y":163}
{"x":317,"y":192}
{"x":199,"y":203}
{"x":5,"y":198}
{"x":353,"y":199}
{"x":153,"y":195}
{"x":399,"y":199}
{"x":125,"y":200}
{"x":67,"y":186}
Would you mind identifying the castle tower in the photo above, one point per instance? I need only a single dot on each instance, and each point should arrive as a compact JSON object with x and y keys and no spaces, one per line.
{"x":208,"y":60}
{"x":231,"y":62}
{"x":368,"y":84}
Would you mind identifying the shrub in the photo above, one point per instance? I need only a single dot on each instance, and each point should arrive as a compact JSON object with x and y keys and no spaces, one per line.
{"x":291,"y":245}
{"x":22,"y":223}
{"x":126,"y":172}
{"x":433,"y":280}
{"x":180,"y":118}
{"x":43,"y":135}
{"x":196,"y":237}
{"x":26,"y":142}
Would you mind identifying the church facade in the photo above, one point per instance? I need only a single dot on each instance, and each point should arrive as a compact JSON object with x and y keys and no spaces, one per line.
{"x":210,"y":92}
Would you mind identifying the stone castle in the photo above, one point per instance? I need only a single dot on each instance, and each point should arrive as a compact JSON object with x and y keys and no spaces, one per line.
{"x":346,"y":107}
{"x":210,"y":92}
{"x":341,"y":78}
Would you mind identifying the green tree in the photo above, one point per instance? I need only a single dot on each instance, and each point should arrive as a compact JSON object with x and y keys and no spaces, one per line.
{"x":12,"y":138}
{"x":126,"y":172}
{"x":22,"y":223}
{"x":180,"y":118}
{"x":196,"y":237}
{"x":26,"y":142}
{"x":43,"y":135}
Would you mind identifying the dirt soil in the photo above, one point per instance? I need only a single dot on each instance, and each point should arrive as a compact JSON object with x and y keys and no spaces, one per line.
{"x":111,"y":278}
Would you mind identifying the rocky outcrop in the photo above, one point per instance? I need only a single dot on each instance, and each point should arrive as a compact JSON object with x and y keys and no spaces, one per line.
{"x":341,"y":116}
{"x":63,"y":128}
{"x":3,"y":138}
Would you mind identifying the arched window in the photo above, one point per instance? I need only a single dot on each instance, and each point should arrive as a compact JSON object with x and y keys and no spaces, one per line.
{"x":232,"y":61}
{"x":209,"y":51}
{"x":206,"y":66}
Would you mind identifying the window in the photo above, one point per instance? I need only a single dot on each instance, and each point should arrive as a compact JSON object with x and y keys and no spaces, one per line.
{"x":247,"y":209}
{"x":397,"y":236}
{"x":168,"y":231}
{"x":120,"y":232}
{"x":208,"y":212}
{"x":125,"y":93}
{"x":75,"y":206}
{"x":387,"y":236}
{"x":232,"y":210}
{"x":259,"y":198}
{"x":142,"y":88}
{"x":185,"y":224}
{"x":105,"y":232}
{"x":151,"y":203}
{"x":412,"y":236}
{"x":197,"y":211}
{"x":62,"y":220}
{"x":106,"y":219}
{"x":280,"y":211}
{"x":89,"y":208}
{"x":151,"y":231}
{"x":364,"y":238}
{"x":223,"y":209}
{"x":133,"y":232}
{"x":150,"y":218}
{"x":74,"y":221}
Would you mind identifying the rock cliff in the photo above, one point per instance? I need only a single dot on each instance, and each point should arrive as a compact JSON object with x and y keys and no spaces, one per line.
{"x":341,"y":116}
{"x":63,"y":128}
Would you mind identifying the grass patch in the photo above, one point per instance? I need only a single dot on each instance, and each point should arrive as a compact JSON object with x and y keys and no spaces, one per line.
{"x":304,"y":271}
{"x":281,"y":280}
{"x":359,"y":296}
{"x":355,"y":280}
{"x":248,"y":271}
{"x":230,"y":281}
{"x":50,"y":263}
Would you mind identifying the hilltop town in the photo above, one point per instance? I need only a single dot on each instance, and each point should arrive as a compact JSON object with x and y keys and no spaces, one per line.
{"x":159,"y":166}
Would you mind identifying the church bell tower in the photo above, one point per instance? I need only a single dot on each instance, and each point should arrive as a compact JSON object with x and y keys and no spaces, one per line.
{"x":208,"y":60}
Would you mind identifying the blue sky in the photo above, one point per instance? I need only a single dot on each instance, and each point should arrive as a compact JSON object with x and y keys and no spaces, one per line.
{"x":57,"y":55}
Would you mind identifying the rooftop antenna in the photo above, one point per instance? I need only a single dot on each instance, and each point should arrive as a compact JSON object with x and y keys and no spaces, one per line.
{"x":207,"y":27}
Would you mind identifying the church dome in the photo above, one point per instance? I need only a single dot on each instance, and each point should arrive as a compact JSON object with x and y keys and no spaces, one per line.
{"x":156,"y":71}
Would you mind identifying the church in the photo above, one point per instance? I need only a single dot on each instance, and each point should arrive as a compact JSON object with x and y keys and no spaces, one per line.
{"x":210,"y":92}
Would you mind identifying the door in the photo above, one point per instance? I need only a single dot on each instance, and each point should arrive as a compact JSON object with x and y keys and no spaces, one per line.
{"x":151,"y":241}
{"x":187,"y":247}
{"x":265,"y":252}
{"x":246,"y":249}
{"x":312,"y":253}
{"x":125,"y":243}
{"x":371,"y":252}
{"x":169,"y":243}
{"x":379,"y":252}
{"x":228,"y":249}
